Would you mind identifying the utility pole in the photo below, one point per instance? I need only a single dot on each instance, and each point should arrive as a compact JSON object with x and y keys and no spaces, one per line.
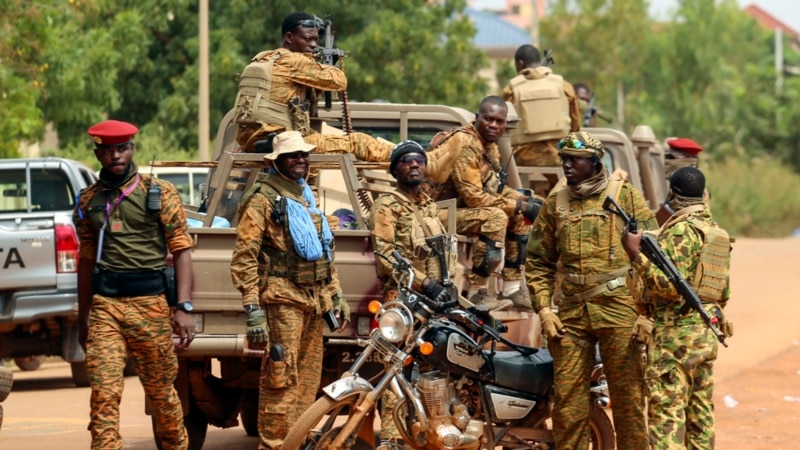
{"x":203,"y":129}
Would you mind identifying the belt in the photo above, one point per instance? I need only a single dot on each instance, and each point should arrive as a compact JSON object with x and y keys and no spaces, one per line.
{"x":575,"y":278}
{"x":608,"y":286}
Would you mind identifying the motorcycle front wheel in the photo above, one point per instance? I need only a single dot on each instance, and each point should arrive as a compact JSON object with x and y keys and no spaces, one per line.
{"x":602,"y":429}
{"x":318,"y":426}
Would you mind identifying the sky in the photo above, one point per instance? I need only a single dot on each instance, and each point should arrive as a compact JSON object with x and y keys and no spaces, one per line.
{"x":788,"y":11}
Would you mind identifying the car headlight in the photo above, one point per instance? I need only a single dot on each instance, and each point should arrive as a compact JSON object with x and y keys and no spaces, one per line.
{"x":393,"y":325}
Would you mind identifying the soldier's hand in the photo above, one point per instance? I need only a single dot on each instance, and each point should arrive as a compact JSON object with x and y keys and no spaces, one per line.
{"x":435,"y":291}
{"x":342,"y":309}
{"x":551,"y":325}
{"x":726,"y":327}
{"x":630,"y":242}
{"x":257,"y":328}
{"x":531,"y":208}
{"x":643,"y":330}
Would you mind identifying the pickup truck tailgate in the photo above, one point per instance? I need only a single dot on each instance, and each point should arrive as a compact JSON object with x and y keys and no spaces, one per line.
{"x":27,"y":253}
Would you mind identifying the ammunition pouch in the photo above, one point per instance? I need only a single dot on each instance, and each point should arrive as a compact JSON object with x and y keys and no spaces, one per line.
{"x":297,"y":270}
{"x":129,"y":284}
{"x":298,"y":112}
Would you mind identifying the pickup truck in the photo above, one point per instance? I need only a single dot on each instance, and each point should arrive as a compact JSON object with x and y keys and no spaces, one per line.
{"x":218,"y":376}
{"x":39,"y":261}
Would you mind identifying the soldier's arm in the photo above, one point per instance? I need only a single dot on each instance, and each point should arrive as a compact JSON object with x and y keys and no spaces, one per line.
{"x":466,"y":177}
{"x":508,"y":94}
{"x":542,"y":256}
{"x":177,"y":237}
{"x":681,"y":243}
{"x":575,"y":115}
{"x":310,"y":73}
{"x":383,"y":223}
{"x":249,"y":236}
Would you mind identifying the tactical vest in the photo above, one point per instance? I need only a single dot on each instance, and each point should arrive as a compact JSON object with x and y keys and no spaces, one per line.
{"x":289,"y":264}
{"x":421,"y":228}
{"x":253,"y":102}
{"x":542,"y":105}
{"x":562,"y":204}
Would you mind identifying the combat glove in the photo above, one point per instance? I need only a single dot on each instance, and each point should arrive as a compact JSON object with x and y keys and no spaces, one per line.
{"x":257,"y":328}
{"x":437,"y":292}
{"x":533,"y":205}
{"x":341,"y":307}
{"x":726,"y":327}
{"x":551,"y":325}
{"x":643,"y":330}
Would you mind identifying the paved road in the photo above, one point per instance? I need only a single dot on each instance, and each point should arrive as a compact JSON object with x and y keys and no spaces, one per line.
{"x":46,"y":411}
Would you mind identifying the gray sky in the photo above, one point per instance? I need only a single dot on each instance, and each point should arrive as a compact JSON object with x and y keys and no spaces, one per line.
{"x":788,"y":11}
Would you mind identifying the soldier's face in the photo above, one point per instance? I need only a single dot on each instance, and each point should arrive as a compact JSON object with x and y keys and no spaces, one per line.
{"x":293,"y":165}
{"x":302,"y":39}
{"x":491,"y":122}
{"x":410,"y":169}
{"x":577,"y":168}
{"x":115,"y":158}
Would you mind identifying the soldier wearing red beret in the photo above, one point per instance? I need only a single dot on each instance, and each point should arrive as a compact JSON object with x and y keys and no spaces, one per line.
{"x":680,"y":152}
{"x":126,"y":224}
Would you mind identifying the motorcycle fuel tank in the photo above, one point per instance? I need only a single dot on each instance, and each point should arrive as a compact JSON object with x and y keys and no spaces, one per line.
{"x":453,"y":350}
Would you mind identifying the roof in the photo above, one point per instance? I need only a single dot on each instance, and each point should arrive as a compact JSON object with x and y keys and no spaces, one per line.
{"x":495,"y":33}
{"x":768,"y":20}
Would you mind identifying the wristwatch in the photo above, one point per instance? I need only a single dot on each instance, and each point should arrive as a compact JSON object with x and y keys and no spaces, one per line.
{"x":186,"y":307}
{"x":251,"y":307}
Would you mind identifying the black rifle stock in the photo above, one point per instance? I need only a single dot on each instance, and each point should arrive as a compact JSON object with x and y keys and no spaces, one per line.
{"x":650,"y":248}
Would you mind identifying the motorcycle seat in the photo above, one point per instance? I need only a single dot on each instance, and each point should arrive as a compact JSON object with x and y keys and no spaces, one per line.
{"x":532,"y":373}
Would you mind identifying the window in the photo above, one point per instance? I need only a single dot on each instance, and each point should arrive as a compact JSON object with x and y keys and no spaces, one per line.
{"x":48,"y":190}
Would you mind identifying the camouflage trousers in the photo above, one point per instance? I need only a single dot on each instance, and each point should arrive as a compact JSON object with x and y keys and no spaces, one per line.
{"x":573,"y":361}
{"x":494,"y":224}
{"x":679,"y":378}
{"x":539,"y":154}
{"x":143,"y":327}
{"x":287,"y":388}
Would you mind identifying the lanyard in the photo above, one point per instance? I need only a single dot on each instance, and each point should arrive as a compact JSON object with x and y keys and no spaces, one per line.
{"x":110,"y":207}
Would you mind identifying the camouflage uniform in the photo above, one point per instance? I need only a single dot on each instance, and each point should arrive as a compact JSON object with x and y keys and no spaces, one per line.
{"x":481,"y":210}
{"x":297,"y":74}
{"x":679,"y":375}
{"x":293,"y":309}
{"x":588,"y":251}
{"x":137,"y":325}
{"x":544,"y":153}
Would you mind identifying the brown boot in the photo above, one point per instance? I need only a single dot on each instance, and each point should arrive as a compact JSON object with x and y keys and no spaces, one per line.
{"x":482,"y":298}
{"x":519,"y":300}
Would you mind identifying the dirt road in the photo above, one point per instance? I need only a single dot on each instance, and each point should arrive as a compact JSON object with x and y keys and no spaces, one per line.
{"x":760,"y":370}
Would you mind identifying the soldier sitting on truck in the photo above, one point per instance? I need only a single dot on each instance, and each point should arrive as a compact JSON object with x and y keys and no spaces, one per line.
{"x":487,"y":209}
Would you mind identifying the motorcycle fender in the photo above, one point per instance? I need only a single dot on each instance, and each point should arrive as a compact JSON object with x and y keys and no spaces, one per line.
{"x":347,"y":386}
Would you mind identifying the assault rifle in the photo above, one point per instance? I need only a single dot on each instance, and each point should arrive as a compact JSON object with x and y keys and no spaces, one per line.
{"x":327,"y":54}
{"x":591,"y":110}
{"x":650,"y":248}
{"x":548,"y":58}
{"x":438,"y":244}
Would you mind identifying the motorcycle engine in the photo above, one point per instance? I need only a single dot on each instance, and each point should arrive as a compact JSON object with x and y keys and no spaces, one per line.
{"x":451,"y":426}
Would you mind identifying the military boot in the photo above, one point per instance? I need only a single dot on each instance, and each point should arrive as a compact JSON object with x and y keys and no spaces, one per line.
{"x":482,"y":298}
{"x":520,"y":301}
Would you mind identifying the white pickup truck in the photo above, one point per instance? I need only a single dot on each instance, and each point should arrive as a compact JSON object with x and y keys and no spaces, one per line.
{"x":39,"y":261}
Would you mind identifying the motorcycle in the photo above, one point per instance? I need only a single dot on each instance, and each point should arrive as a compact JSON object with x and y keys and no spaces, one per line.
{"x":454,"y":388}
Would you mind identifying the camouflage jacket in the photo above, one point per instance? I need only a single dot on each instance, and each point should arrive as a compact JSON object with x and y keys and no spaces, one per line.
{"x":588,"y":244}
{"x":294,"y":73}
{"x":256,"y":228}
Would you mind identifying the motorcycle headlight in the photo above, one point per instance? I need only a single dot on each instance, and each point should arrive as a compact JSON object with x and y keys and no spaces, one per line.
{"x":393,"y":325}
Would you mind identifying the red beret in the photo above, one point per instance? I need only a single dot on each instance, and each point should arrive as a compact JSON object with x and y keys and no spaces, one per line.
{"x":112,"y":132}
{"x":685,"y":145}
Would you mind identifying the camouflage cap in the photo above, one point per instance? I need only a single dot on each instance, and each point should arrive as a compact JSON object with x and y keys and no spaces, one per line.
{"x":582,"y":144}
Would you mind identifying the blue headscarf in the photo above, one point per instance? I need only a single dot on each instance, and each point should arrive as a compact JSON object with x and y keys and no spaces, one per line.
{"x":302,"y":229}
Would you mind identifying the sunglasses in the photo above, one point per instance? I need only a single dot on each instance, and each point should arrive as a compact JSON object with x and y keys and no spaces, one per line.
{"x":417,"y":158}
{"x":108,"y":150}
{"x":577,"y":144}
{"x":297,"y":155}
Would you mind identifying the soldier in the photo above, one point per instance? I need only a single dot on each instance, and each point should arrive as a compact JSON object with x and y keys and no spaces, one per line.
{"x":680,"y":152}
{"x":283,"y":266}
{"x":126,"y":224}
{"x":495,"y":214}
{"x":281,"y":89}
{"x":682,"y":349}
{"x":575,"y":237}
{"x":548,"y":109}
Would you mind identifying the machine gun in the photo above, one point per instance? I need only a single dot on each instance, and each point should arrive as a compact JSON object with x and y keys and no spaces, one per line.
{"x":328,"y":54}
{"x":650,"y":248}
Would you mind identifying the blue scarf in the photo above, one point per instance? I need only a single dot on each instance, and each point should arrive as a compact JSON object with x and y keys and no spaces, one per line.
{"x":301,"y":227}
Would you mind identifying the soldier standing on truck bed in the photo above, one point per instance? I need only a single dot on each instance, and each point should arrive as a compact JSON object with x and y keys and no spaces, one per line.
{"x":575,"y":236}
{"x":279,"y":88}
{"x":283,"y":265}
{"x":126,"y":223}
{"x":548,"y":109}
{"x":487,"y":209}
{"x":682,"y":349}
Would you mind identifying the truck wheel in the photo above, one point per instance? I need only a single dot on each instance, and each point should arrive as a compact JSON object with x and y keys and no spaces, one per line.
{"x":249,"y":412}
{"x":196,"y":427}
{"x":6,"y":380}
{"x":80,"y":375}
{"x":29,"y":362}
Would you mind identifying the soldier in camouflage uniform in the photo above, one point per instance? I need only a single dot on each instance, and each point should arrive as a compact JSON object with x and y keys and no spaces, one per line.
{"x":296,"y":76}
{"x":573,"y":235}
{"x":680,"y":152}
{"x":122,"y":307}
{"x":283,"y":266}
{"x":497,"y":219}
{"x":682,"y":349}
{"x":539,"y":150}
